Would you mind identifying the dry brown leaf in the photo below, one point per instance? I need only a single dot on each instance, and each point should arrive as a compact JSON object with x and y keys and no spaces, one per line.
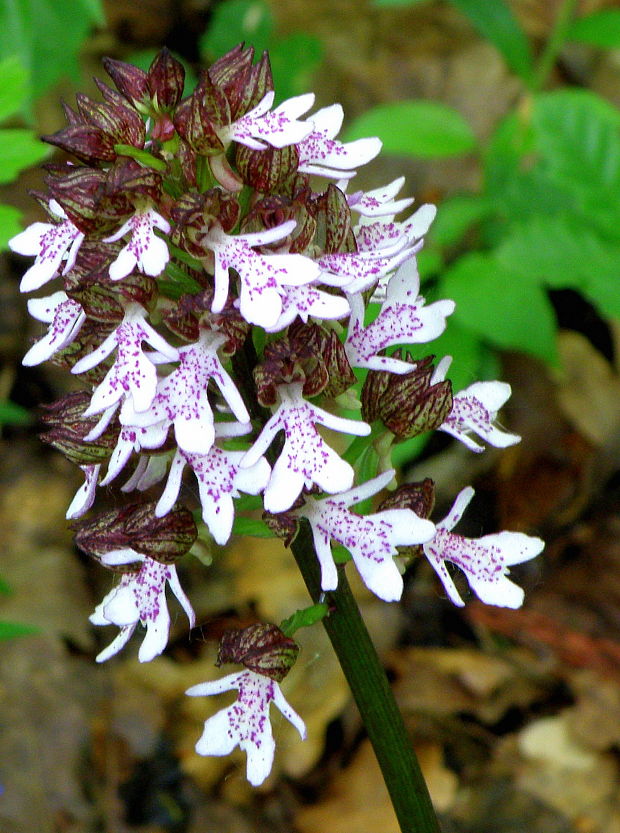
{"x":588,"y":389}
{"x":358,"y":801}
{"x":441,"y":681}
{"x":579,"y":783}
{"x":595,"y":718}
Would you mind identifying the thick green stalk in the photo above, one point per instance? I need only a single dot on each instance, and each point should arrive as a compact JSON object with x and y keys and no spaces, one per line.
{"x":357,"y":656}
{"x":372,"y":693}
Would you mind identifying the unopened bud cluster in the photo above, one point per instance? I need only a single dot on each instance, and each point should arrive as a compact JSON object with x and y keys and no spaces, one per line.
{"x":213,"y":280}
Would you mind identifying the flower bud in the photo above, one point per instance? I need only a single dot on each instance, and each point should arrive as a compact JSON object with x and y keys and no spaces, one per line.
{"x":272,"y":211}
{"x":136,"y":527}
{"x":165,"y":79}
{"x":67,"y":427}
{"x":130,"y":81}
{"x":244,"y":85}
{"x":418,"y":496}
{"x":263,"y":649}
{"x":334,"y":222}
{"x":197,"y":117}
{"x":406,"y":404}
{"x":266,"y":170}
{"x":191,"y":312}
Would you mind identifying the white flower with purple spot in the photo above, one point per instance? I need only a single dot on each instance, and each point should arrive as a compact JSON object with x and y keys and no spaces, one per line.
{"x":380,"y":202}
{"x":85,"y":495}
{"x":51,"y":243}
{"x":220,"y":479}
{"x":374,"y":259}
{"x":145,"y":250}
{"x":182,"y":399}
{"x":132,"y":374}
{"x":305,"y":458}
{"x":140,"y":596}
{"x":403,"y":318}
{"x":308,"y":300}
{"x":371,"y":539}
{"x":278,"y":128}
{"x":246,"y":722}
{"x":133,"y":439}
{"x":322,"y":154}
{"x":65,"y":317}
{"x":485,"y":561}
{"x":474,"y":411}
{"x":261,"y":277}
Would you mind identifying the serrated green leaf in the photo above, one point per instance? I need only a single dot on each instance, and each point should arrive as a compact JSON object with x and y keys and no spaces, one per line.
{"x":504,"y":308}
{"x":14,"y":88}
{"x":577,"y":135}
{"x":236,"y":21}
{"x":562,"y":252}
{"x":426,"y":129}
{"x":9,"y":630}
{"x":600,"y":28}
{"x":5,"y":588}
{"x":10,"y":224}
{"x":304,"y":618}
{"x":19,"y":149}
{"x":252,"y":527}
{"x":494,"y":20}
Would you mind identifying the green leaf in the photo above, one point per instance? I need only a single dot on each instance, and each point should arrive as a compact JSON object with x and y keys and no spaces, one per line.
{"x":14,"y":87}
{"x":248,"y":503}
{"x":5,"y":588}
{"x":304,"y":618}
{"x":253,"y":527}
{"x":234,"y":22}
{"x":507,"y":309}
{"x":494,"y":20}
{"x":10,"y":224}
{"x":142,"y":156}
{"x":577,"y":136}
{"x":293,"y":60}
{"x":419,"y":128}
{"x":597,"y":29}
{"x":13,"y":414}
{"x":562,"y":252}
{"x":19,"y":149}
{"x":9,"y":630}
{"x":47,"y":35}
{"x":457,"y":215}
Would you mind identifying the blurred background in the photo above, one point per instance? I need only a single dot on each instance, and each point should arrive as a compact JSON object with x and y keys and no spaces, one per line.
{"x":507,"y":116}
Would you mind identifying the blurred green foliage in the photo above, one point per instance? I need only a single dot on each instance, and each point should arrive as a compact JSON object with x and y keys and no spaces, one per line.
{"x":293,"y":57}
{"x":46,"y":35}
{"x":547,"y":215}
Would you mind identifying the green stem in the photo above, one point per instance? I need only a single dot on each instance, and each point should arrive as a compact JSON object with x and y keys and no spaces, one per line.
{"x":372,"y":693}
{"x":357,"y":656}
{"x":554,"y":44}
